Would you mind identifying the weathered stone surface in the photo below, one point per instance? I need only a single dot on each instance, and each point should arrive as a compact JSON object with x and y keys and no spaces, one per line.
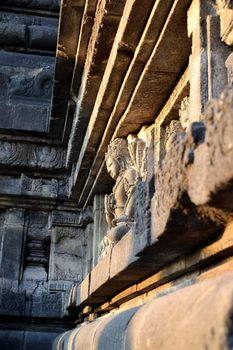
{"x":17,"y":154}
{"x":202,"y":328}
{"x":67,"y":254}
{"x":27,"y":91}
{"x":226,"y":18}
{"x":62,"y":218}
{"x":28,"y":186}
{"x":70,"y":31}
{"x":53,"y":5}
{"x":28,"y":31}
{"x":131,"y":102}
{"x":100,"y":275}
{"x":155,"y":326}
{"x":26,"y":336}
{"x":107,"y":18}
{"x":12,"y":242}
{"x":100,"y":226}
{"x":210,"y":175}
{"x":119,"y":62}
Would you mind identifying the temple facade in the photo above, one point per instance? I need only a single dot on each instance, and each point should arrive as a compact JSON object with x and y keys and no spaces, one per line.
{"x":116,"y":174}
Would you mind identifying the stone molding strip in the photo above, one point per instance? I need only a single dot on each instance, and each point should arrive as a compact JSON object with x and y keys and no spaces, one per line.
{"x":154,"y":325}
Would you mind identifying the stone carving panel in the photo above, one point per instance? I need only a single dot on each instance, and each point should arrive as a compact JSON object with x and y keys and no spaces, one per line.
{"x":34,"y":84}
{"x":126,"y":164}
{"x":31,"y":155}
{"x":119,"y":205}
{"x":67,"y":253}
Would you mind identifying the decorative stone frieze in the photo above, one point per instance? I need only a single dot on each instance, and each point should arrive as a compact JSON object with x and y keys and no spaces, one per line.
{"x":31,"y":155}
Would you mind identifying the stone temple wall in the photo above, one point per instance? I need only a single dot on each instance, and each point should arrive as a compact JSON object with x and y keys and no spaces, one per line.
{"x":116,"y":174}
{"x":42,"y":236}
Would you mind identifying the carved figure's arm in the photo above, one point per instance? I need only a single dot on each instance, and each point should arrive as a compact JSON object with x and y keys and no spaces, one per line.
{"x":108,"y":205}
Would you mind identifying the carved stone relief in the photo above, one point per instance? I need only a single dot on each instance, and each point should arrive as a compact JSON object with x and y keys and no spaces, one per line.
{"x":34,"y":84}
{"x":26,"y":154}
{"x":119,"y":204}
{"x":126,"y":163}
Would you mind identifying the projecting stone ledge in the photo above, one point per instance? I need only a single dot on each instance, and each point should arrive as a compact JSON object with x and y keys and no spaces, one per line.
{"x":191,"y":205}
{"x":204,"y":312}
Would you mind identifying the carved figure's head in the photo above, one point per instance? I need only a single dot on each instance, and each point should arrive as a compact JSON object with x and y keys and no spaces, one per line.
{"x":117,"y":157}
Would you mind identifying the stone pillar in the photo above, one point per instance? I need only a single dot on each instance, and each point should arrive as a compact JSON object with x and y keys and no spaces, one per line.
{"x":208,"y":74}
{"x":37,"y":247}
{"x":12,"y":245}
{"x":100,"y":225}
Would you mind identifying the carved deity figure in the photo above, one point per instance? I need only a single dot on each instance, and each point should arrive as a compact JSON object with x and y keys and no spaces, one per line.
{"x":119,"y":205}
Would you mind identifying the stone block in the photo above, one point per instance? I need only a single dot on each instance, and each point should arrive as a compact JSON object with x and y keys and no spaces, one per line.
{"x":100,"y":276}
{"x":12,"y":34}
{"x":46,"y":304}
{"x":100,"y":225}
{"x":200,"y":325}
{"x":123,"y":255}
{"x":154,"y":325}
{"x":82,"y":291}
{"x":12,"y":245}
{"x":42,"y":338}
{"x":27,"y":91}
{"x":42,"y":37}
{"x":210,"y":176}
{"x":65,"y":218}
{"x":24,"y":117}
{"x":11,"y":338}
{"x":21,"y":30}
{"x":52,"y":5}
{"x":67,"y":254}
{"x":25,"y":336}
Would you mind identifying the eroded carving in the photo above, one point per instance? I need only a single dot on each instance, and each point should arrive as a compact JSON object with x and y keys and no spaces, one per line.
{"x":36,"y":84}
